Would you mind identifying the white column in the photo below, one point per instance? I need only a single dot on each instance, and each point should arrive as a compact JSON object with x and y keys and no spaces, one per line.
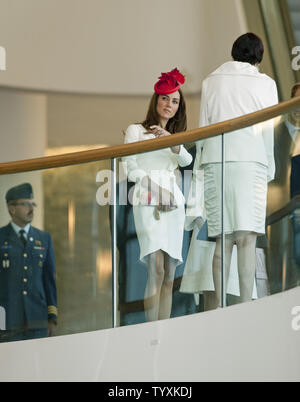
{"x":23,"y":135}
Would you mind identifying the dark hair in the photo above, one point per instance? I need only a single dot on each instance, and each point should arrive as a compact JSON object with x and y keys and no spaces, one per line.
{"x":295,"y":89}
{"x":176,"y":124}
{"x":248,"y":48}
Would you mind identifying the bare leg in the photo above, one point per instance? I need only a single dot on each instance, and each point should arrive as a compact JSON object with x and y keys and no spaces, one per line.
{"x":246,"y":244}
{"x":217,"y":268}
{"x":166,"y":294}
{"x":154,"y":284}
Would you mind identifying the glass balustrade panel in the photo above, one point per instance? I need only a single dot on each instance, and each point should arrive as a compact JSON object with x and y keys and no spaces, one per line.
{"x":150,"y":236}
{"x":164,"y":251}
{"x":58,"y":280}
{"x":260,"y":210}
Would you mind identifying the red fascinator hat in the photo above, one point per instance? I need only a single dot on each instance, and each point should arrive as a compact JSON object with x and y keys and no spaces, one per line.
{"x":169,"y":82}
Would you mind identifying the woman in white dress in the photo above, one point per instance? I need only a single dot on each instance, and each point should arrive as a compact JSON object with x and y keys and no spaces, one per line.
{"x":235,"y":89}
{"x":158,"y":203}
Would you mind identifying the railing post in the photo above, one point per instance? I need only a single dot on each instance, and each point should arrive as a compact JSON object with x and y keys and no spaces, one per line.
{"x":223,"y":276}
{"x":114,"y":242}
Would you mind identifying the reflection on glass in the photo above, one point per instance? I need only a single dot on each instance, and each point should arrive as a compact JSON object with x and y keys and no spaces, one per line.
{"x":71,"y":226}
{"x":28,"y":291}
{"x":283,"y":249}
{"x":80,"y":227}
{"x":68,"y":232}
{"x":156,"y":238}
{"x":283,"y":204}
{"x":71,"y":213}
{"x":230,"y":198}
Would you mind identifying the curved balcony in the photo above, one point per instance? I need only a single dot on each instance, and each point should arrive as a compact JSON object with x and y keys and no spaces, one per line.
{"x":52,"y":90}
{"x":83,"y":202}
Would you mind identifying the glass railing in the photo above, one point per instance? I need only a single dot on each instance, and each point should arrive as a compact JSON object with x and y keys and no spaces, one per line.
{"x":149,"y":235}
{"x":283,"y":252}
{"x":67,"y":277}
{"x":282,"y":226}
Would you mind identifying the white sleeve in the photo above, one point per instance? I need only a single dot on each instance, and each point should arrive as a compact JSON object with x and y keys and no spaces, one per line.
{"x":132,"y":169}
{"x":203,"y":108}
{"x":195,"y":203}
{"x":184,"y":158}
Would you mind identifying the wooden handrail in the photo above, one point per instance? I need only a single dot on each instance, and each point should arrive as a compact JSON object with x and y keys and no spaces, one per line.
{"x":285,"y":211}
{"x":117,"y":151}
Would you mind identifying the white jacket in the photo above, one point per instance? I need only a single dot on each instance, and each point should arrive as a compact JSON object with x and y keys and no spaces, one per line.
{"x":159,"y":165}
{"x":233,"y":90}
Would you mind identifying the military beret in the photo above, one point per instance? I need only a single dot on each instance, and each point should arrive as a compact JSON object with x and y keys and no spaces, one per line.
{"x":21,"y":191}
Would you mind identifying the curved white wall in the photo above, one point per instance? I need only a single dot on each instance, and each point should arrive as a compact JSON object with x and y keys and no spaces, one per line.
{"x":114,"y":46}
{"x":256,"y":341}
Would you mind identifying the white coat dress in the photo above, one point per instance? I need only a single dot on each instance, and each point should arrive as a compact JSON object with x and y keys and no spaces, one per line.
{"x":165,"y":233}
{"x":233,"y":90}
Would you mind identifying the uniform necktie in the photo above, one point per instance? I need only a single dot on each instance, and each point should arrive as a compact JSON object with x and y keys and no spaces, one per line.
{"x":22,"y":237}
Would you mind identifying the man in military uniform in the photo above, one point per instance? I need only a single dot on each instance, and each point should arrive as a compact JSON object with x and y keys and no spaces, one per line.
{"x":28,"y":295}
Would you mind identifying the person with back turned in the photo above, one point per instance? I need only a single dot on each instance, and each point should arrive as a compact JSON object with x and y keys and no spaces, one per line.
{"x":28,"y":294}
{"x":235,"y":89}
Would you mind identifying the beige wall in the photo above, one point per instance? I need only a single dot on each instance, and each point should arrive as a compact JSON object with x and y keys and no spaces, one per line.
{"x":114,"y":46}
{"x":22,"y":125}
{"x":265,"y":18}
{"x":23,"y":136}
{"x":97,"y":60}
{"x":87,"y":120}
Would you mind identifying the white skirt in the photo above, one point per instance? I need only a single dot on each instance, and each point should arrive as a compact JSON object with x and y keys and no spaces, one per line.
{"x":245,"y":198}
{"x":165,"y":234}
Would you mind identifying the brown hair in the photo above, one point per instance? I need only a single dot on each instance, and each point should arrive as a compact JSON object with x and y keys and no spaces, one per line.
{"x":295,"y":89}
{"x":176,"y":124}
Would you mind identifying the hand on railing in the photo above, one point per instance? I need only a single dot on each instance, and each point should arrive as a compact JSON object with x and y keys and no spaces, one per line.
{"x":161,"y":132}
